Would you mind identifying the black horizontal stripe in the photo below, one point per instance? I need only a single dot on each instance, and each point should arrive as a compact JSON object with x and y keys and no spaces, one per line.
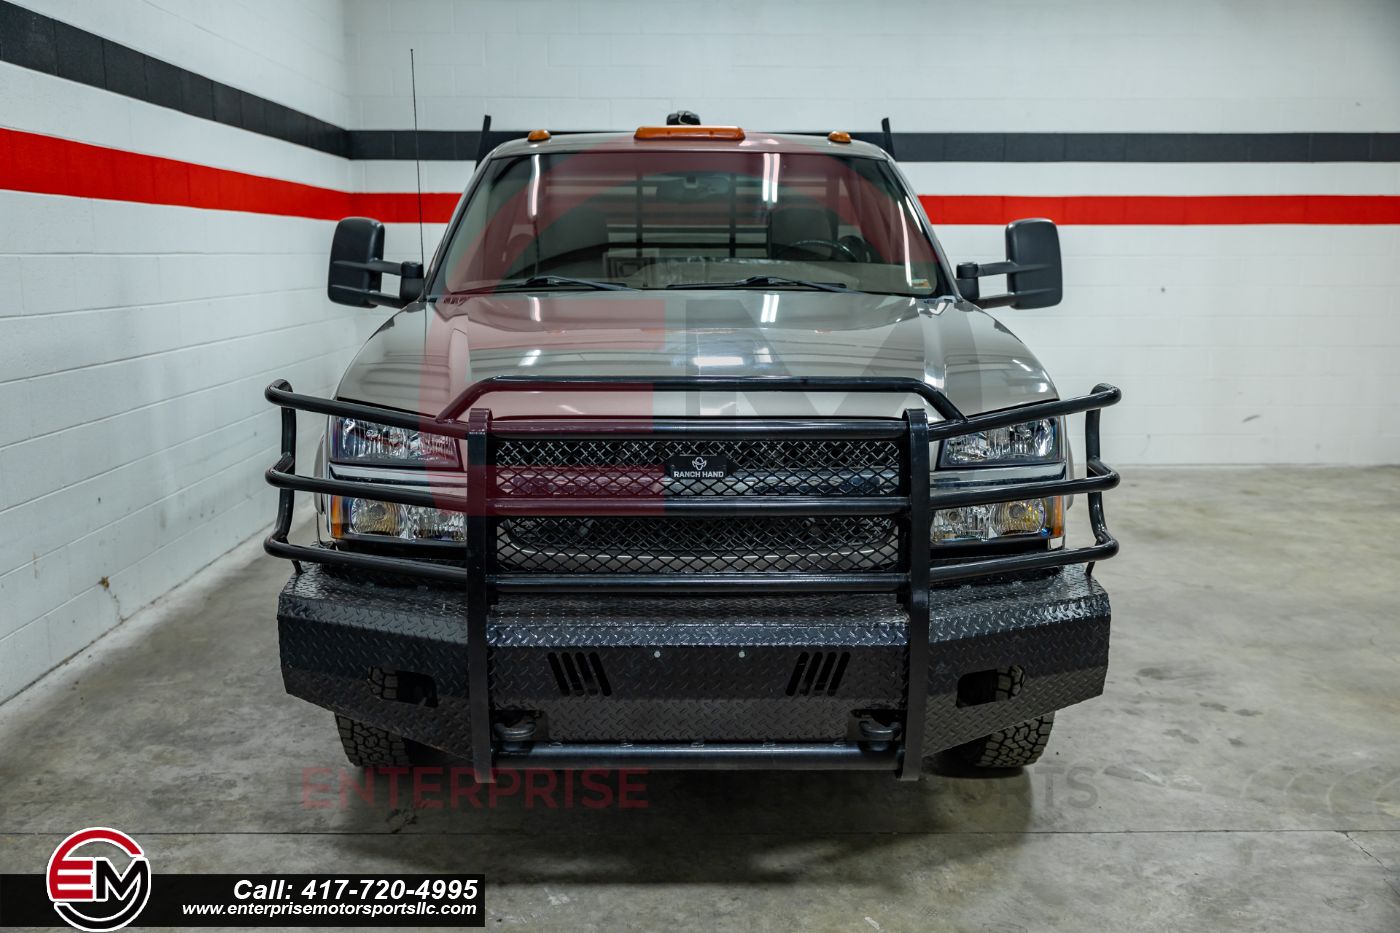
{"x":32,"y":40}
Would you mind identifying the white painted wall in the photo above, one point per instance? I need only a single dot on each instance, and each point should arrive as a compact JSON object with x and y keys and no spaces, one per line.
{"x":1188,"y":66}
{"x":135,"y":340}
{"x":1242,"y":344}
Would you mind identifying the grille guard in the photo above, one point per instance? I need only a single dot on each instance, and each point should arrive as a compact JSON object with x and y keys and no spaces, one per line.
{"x":912,"y":509}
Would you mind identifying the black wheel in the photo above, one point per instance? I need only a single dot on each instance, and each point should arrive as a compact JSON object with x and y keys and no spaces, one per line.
{"x":366,"y":745}
{"x":1015,"y":746}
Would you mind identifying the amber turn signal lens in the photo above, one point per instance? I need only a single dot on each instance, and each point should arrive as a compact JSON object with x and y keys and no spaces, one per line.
{"x":538,"y":136}
{"x":839,"y":136}
{"x":683,"y":131}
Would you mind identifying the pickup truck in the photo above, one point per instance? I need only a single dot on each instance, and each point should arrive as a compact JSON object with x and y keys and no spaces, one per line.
{"x":690,"y":448}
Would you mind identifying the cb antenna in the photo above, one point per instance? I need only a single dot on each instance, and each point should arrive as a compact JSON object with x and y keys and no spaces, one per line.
{"x":417,"y":163}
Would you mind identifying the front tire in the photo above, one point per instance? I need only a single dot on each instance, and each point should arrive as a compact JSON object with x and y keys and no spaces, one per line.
{"x":368,"y":746}
{"x":1012,"y":747}
{"x":1015,"y":747}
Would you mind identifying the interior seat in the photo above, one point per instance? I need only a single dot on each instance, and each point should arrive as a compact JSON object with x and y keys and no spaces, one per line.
{"x":789,"y":225}
{"x":575,"y":244}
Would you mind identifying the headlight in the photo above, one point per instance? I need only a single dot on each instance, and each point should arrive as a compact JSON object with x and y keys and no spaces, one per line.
{"x":368,"y":517}
{"x":1029,"y":442}
{"x":974,"y":524}
{"x":354,"y":441}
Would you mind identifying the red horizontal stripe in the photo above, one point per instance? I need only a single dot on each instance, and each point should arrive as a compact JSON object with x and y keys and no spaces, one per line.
{"x":48,"y":165}
{"x":1167,"y":210}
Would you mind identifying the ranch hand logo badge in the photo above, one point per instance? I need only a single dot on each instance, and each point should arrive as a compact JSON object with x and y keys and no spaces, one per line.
{"x":698,"y":466}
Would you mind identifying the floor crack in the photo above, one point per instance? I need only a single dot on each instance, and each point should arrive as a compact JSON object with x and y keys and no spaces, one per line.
{"x":1392,"y":883}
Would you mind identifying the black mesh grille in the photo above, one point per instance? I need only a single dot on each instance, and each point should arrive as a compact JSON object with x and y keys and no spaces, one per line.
{"x":756,"y":467}
{"x":637,"y":469}
{"x":688,"y":545}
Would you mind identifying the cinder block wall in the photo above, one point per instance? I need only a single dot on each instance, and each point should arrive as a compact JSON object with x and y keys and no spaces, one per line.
{"x":1233,"y":343}
{"x":136,"y":338}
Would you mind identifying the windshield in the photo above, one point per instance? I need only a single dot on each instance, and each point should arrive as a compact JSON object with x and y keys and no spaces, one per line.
{"x":671,"y":218}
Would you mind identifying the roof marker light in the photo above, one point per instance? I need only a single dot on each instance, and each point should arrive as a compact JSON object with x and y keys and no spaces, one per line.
{"x":839,"y":136}
{"x":538,"y":136}
{"x":685,"y":131}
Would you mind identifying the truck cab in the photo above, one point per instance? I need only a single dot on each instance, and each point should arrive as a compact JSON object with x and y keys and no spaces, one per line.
{"x":690,"y":448}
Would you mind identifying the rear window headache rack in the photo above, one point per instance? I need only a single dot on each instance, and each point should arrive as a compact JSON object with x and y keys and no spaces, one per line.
{"x":911,"y":507}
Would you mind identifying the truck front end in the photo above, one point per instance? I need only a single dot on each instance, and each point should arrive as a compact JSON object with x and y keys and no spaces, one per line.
{"x":687,"y":478}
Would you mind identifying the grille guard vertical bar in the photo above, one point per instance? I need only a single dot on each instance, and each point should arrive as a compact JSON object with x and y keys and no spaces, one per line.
{"x":480,"y":534}
{"x":918,"y":522}
{"x":1095,"y":467}
{"x":285,"y":465}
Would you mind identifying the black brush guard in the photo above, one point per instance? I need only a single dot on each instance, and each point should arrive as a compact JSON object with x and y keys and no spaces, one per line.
{"x":912,"y":508}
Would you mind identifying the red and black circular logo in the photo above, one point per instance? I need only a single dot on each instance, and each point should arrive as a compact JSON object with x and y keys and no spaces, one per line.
{"x":88,"y":890}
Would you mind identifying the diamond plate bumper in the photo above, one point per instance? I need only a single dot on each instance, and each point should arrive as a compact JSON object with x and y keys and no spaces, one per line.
{"x":690,"y":669}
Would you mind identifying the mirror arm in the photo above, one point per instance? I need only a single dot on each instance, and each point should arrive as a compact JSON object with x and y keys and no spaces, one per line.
{"x":970,"y":272}
{"x":975,"y":270}
{"x":378,"y":298}
{"x":376,"y":265}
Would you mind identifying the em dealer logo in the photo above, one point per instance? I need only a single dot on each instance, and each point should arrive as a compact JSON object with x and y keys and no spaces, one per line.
{"x":88,"y":890}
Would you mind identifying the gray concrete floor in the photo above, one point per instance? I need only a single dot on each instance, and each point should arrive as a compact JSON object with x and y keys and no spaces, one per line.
{"x":1242,"y":771}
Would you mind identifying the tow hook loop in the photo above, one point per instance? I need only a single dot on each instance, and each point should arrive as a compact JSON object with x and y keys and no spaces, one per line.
{"x":878,"y":735}
{"x":516,"y":734}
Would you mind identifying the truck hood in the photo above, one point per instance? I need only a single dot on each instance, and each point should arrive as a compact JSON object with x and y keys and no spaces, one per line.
{"x":425,"y":355}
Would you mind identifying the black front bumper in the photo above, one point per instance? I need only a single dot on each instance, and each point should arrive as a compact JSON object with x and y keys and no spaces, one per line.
{"x":636,"y":672}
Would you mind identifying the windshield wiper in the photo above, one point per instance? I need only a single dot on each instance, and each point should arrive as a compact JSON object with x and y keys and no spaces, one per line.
{"x":548,"y":281}
{"x":755,"y":281}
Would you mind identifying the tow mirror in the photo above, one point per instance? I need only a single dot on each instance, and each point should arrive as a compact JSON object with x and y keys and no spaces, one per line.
{"x":357,"y":267}
{"x":1032,"y":268}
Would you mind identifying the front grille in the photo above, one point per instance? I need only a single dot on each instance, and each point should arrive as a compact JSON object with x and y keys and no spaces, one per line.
{"x":626,"y":468}
{"x":689,"y":545}
{"x":637,"y":469}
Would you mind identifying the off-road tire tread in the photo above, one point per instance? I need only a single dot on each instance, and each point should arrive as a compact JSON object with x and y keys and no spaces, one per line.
{"x":369,"y":746}
{"x":1013,"y":747}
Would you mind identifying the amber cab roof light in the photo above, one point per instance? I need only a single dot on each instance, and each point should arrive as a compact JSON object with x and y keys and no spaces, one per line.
{"x":689,"y":131}
{"x":839,"y":136}
{"x":538,"y":136}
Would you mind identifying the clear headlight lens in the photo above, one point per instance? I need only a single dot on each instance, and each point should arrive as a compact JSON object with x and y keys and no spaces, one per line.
{"x":391,"y":520}
{"x":354,"y":441}
{"x":974,"y":524}
{"x":1029,"y":442}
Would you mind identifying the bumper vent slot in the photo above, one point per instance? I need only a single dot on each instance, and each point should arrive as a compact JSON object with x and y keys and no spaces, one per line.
{"x":818,"y":673}
{"x":579,"y":674}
